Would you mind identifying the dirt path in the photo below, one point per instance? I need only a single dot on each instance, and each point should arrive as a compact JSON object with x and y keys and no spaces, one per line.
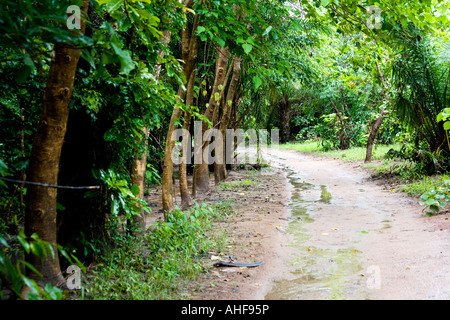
{"x":355,"y":239}
{"x":326,"y":230}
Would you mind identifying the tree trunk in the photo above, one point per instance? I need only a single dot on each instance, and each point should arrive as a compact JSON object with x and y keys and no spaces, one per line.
{"x":139,"y":167}
{"x":189,"y":52}
{"x":167,"y":176}
{"x":201,"y":171}
{"x":40,"y":215}
{"x":373,"y":135}
{"x":184,"y":189}
{"x":285,"y":118}
{"x":379,"y":121}
{"x":220,"y":172}
{"x":344,"y":139}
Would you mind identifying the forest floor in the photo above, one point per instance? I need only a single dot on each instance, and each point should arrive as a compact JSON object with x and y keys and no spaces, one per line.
{"x":325,"y":230}
{"x":255,"y":233}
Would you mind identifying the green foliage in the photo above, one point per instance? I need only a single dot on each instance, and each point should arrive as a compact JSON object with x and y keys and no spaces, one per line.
{"x":291,"y":55}
{"x":122,"y":198}
{"x":352,"y":154}
{"x":418,"y":187}
{"x":159,"y":264}
{"x":420,"y":75}
{"x":152,"y":175}
{"x":444,"y":116}
{"x":307,"y":146}
{"x":425,"y":162}
{"x":437,"y":198}
{"x":236,"y":185}
{"x":13,"y":266}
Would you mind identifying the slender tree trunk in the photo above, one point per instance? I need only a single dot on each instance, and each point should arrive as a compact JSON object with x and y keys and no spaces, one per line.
{"x":373,"y":135}
{"x":201,"y":171}
{"x":167,"y":176}
{"x":139,"y":167}
{"x":343,"y":137}
{"x":40,"y":214}
{"x":189,"y":52}
{"x":285,"y":118}
{"x":184,"y":189}
{"x":379,"y":121}
{"x":220,"y":171}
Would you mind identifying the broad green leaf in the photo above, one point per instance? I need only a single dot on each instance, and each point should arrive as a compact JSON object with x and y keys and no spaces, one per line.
{"x":220,"y":42}
{"x":25,"y":244}
{"x":3,"y":242}
{"x":34,"y":293}
{"x":434,"y":208}
{"x":113,"y":5}
{"x":247,"y":48}
{"x":135,"y":190}
{"x":424,"y":196}
{"x":257,"y":82}
{"x":447,"y":125}
{"x":200,"y":29}
{"x":126,"y":63}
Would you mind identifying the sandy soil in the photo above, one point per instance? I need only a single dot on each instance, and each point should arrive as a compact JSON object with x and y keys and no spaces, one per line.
{"x":256,"y":234}
{"x":326,"y":230}
{"x":365,"y":241}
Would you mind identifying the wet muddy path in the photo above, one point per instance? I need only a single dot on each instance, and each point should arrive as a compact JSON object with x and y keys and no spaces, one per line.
{"x":355,"y":239}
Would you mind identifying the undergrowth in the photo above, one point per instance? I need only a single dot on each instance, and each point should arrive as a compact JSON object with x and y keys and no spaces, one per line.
{"x":239,"y":184}
{"x":161,"y":263}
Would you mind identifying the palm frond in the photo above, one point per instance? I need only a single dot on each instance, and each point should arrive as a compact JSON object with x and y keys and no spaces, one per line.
{"x":421,"y":74}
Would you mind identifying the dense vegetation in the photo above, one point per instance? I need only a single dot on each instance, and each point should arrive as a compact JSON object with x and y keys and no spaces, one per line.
{"x":89,"y":104}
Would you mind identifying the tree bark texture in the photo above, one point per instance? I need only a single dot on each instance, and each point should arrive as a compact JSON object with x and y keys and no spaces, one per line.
{"x":285,"y":118}
{"x":220,"y":171}
{"x":379,"y":121}
{"x":373,"y":135}
{"x":189,"y":52}
{"x":184,"y":189}
{"x":201,"y":181}
{"x":40,"y":215}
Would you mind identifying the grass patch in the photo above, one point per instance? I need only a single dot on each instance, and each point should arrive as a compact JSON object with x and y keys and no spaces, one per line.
{"x":239,"y":184}
{"x":419,"y":187}
{"x":306,"y":146}
{"x":391,"y":167}
{"x":359,"y":153}
{"x":160,"y":264}
{"x":352,"y":154}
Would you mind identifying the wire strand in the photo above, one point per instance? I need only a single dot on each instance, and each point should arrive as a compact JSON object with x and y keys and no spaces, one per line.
{"x":50,"y":185}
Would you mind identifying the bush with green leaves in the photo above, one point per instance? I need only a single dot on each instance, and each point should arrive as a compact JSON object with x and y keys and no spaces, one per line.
{"x":13,"y":266}
{"x":437,"y":198}
{"x":425,"y":162}
{"x":157,"y":264}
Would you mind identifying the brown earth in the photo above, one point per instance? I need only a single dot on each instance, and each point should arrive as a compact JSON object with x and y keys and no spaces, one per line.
{"x":329,"y":251}
{"x":256,"y":234}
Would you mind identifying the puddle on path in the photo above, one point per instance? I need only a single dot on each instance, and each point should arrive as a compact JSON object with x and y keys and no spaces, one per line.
{"x":320,"y":273}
